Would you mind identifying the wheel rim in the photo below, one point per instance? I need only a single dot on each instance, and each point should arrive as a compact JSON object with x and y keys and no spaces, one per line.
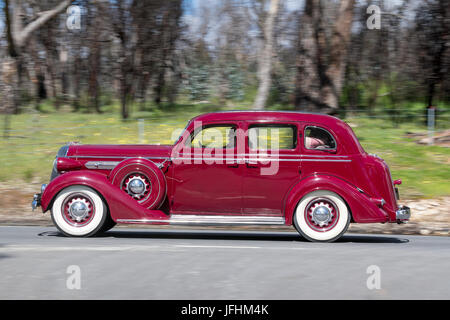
{"x":321,"y":214}
{"x":137,"y":185}
{"x":78,"y":209}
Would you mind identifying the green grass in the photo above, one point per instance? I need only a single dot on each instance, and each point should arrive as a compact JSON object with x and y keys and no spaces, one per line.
{"x":424,"y":170}
{"x":35,"y":138}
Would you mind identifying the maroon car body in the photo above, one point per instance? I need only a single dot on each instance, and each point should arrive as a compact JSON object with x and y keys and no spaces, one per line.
{"x":320,"y":163}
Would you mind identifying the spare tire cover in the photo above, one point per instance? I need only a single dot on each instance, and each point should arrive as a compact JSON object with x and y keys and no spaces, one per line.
{"x":149,"y":185}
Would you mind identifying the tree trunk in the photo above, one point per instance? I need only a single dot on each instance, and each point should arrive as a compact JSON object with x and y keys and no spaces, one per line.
{"x":124,"y":103}
{"x":307,"y":88}
{"x":124,"y":90}
{"x":17,"y":38}
{"x":160,"y":82}
{"x":340,"y":41}
{"x":320,"y":71}
{"x":94,"y":70}
{"x":76,"y":84}
{"x":265,"y":58}
{"x":143,"y":86}
{"x":9,"y":77}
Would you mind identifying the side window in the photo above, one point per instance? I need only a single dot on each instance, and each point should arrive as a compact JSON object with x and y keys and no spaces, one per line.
{"x":218,"y":137}
{"x":272,"y":137}
{"x":319,"y":139}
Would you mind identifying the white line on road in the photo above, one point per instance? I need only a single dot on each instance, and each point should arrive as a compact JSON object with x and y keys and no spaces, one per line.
{"x":217,"y":247}
{"x":16,"y":248}
{"x":58,"y":248}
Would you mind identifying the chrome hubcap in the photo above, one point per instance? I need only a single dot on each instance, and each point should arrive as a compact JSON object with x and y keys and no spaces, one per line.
{"x":321,"y":214}
{"x":79,"y":210}
{"x":136,"y":186}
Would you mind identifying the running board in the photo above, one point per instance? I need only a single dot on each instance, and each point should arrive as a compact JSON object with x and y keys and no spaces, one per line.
{"x":182,"y":219}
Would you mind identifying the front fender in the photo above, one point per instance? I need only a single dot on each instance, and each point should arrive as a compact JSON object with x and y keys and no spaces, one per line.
{"x":121,"y":206}
{"x":363,"y":209}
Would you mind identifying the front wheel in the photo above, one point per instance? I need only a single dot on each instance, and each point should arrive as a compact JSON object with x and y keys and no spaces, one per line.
{"x":78,"y":211}
{"x":322,"y":216}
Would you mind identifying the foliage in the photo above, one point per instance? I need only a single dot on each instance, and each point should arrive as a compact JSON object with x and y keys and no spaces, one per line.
{"x":198,"y":82}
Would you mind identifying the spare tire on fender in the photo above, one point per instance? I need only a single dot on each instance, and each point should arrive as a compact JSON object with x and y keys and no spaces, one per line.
{"x":142,"y":179}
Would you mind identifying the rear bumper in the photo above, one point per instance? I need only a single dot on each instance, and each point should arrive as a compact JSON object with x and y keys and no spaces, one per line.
{"x":403,"y":214}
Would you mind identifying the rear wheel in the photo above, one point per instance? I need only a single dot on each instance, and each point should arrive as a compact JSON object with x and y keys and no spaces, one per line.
{"x":322,"y":216}
{"x":78,"y":211}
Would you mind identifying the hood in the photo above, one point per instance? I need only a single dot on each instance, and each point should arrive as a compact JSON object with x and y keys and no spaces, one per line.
{"x":119,"y":151}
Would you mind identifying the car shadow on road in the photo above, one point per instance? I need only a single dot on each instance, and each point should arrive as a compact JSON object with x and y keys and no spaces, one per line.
{"x":2,"y":255}
{"x":233,"y":235}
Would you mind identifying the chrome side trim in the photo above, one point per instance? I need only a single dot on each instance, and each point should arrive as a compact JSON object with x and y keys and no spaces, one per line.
{"x":106,"y":165}
{"x":182,"y":219}
{"x":262,"y":159}
{"x":250,"y":157}
{"x":273,"y":155}
{"x":115,"y":157}
{"x":109,"y":165}
{"x":142,"y":221}
{"x":325,"y":160}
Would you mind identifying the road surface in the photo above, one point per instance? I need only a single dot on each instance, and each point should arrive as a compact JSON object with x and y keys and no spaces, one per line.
{"x":39,"y":263}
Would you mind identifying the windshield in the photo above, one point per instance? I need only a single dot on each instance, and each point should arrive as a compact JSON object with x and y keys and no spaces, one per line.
{"x":182,"y":133}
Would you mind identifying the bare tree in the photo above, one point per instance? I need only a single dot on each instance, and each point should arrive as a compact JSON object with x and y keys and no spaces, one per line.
{"x":321,"y":58}
{"x":265,"y":56}
{"x":433,"y":31}
{"x":17,"y":36}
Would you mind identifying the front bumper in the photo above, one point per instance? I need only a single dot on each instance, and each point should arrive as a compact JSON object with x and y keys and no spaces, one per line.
{"x":403,"y":214}
{"x":37,"y":198}
{"x":36,"y":201}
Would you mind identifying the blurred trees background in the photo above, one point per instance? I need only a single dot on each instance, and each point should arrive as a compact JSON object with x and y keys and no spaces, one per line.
{"x":311,"y":55}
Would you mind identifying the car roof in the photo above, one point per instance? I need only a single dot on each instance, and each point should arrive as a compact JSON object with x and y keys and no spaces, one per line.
{"x":267,"y":116}
{"x":339,"y":127}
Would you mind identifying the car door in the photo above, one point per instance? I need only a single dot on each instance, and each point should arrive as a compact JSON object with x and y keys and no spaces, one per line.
{"x":207,"y":178}
{"x":272,"y":166}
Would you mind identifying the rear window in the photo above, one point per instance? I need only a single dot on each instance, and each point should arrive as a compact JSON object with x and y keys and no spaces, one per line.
{"x":317,"y":138}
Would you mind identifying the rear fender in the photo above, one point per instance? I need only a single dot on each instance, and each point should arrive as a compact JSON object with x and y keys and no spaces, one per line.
{"x":121,"y":205}
{"x":363,"y":210}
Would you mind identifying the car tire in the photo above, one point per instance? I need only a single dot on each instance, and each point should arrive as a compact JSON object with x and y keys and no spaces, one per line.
{"x":108,"y":225}
{"x":322,"y":216}
{"x":79,"y":211}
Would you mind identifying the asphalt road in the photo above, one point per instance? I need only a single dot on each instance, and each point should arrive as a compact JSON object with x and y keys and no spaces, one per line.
{"x":173,"y":264}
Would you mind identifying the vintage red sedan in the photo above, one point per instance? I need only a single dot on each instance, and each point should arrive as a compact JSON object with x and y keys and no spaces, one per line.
{"x":227,"y":168}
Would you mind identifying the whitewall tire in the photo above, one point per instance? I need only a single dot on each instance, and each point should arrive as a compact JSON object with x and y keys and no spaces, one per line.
{"x":78,"y":211}
{"x":322,"y":216}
